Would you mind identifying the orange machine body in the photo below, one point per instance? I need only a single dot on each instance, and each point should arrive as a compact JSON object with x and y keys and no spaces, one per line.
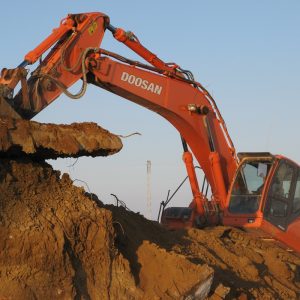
{"x":171,"y":92}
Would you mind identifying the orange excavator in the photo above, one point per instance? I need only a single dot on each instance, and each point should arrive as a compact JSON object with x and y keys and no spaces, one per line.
{"x":256,"y":191}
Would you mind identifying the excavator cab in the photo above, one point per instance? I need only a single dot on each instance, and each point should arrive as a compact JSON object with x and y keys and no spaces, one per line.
{"x":265,"y":195}
{"x":248,"y":189}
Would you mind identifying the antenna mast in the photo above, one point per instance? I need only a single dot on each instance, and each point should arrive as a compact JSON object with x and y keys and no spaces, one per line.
{"x":149,"y":208}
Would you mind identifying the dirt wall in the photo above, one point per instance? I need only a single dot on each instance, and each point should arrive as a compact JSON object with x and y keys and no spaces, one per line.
{"x":56,"y":242}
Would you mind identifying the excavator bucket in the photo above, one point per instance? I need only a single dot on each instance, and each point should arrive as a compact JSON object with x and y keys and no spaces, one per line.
{"x":8,"y":81}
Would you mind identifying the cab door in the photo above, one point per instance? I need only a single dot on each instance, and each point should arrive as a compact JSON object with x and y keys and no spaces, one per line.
{"x":280,"y":198}
{"x":295,"y":209}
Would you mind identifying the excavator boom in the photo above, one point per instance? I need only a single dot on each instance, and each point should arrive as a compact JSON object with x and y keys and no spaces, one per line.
{"x":163,"y":88}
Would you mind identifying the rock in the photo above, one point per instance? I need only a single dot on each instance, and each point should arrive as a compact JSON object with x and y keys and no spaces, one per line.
{"x":220,"y":292}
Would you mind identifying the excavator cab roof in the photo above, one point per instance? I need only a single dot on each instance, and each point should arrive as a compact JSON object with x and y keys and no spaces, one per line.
{"x":255,"y":155}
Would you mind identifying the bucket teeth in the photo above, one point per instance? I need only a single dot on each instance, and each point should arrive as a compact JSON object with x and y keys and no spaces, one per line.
{"x":6,"y":109}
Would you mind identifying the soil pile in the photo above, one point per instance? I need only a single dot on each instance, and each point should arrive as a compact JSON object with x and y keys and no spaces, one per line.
{"x":58,"y":242}
{"x":244,"y":267}
{"x":20,"y":138}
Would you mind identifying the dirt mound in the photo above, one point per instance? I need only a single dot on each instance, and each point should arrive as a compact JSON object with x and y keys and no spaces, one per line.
{"x":49,"y":141}
{"x":249,"y":266}
{"x":244,"y":267}
{"x":56,"y":242}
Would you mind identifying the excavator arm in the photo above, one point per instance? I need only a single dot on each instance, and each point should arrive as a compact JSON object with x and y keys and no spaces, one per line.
{"x":163,"y":88}
{"x":181,"y":103}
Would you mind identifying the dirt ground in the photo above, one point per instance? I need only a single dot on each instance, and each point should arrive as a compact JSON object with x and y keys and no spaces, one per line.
{"x":244,"y":267}
{"x":57,"y":242}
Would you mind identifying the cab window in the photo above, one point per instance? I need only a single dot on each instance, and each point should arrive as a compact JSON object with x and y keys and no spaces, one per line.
{"x":280,"y":190}
{"x":247,"y":188}
{"x":296,"y":200}
{"x":281,"y":195}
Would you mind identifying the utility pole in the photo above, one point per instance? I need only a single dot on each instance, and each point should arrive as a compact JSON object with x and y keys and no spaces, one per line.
{"x":149,"y":209}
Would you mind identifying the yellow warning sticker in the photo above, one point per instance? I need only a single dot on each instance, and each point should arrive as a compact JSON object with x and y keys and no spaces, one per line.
{"x":93,"y":28}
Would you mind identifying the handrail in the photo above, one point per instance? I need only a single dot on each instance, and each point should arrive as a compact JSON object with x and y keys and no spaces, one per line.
{"x":163,"y":204}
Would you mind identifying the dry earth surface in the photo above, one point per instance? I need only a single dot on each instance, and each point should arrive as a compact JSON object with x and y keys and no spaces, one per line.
{"x":59,"y":242}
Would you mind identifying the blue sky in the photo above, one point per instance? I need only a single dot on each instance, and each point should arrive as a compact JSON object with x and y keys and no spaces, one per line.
{"x":246,"y":53}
